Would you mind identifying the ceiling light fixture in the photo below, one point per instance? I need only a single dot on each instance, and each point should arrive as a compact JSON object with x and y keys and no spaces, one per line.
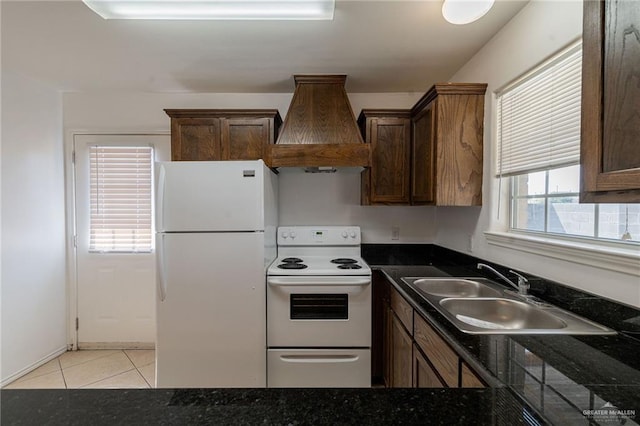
{"x":462,"y":12}
{"x":214,"y":9}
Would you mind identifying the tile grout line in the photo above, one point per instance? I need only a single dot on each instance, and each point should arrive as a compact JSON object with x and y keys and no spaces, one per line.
{"x":61,"y":370}
{"x":138,"y":370}
{"x":84,"y":362}
{"x":105,"y":378}
{"x":23,"y":379}
{"x":110,"y":377}
{"x":64,"y":380}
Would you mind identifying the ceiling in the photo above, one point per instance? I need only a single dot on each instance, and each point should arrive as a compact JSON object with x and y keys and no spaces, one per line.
{"x":383,"y":46}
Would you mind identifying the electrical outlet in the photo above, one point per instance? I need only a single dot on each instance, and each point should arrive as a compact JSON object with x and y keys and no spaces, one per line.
{"x":395,"y":232}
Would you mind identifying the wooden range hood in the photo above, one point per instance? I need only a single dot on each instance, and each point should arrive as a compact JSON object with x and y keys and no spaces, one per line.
{"x":320,"y":129}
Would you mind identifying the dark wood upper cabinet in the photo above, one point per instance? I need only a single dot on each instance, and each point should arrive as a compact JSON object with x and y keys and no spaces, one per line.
{"x":610,"y":144}
{"x":245,"y":138}
{"x":422,"y":145}
{"x":389,"y":134}
{"x":214,"y":135}
{"x":195,"y":139}
{"x":431,"y":154}
{"x":446,"y":145}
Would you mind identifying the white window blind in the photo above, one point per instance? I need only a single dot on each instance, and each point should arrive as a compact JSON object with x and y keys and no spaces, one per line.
{"x":120,"y":194}
{"x":539,"y":117}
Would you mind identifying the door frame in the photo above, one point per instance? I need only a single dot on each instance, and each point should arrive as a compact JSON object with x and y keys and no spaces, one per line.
{"x":70,"y":207}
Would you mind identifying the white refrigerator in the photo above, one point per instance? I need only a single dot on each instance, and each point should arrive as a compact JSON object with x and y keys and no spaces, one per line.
{"x":216,"y":234}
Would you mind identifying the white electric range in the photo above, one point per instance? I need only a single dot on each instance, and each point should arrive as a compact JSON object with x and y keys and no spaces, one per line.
{"x":319,"y":309}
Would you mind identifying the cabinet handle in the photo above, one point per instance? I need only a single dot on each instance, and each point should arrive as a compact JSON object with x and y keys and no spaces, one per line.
{"x":318,"y":282}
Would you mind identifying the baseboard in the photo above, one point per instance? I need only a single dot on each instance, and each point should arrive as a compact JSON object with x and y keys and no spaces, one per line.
{"x":33,"y":366}
{"x":115,"y":345}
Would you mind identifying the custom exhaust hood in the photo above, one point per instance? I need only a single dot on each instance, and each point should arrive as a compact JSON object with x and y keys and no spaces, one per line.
{"x":320,"y":130}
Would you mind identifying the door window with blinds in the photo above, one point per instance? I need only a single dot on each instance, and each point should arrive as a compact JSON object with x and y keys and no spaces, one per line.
{"x":121,"y":199}
{"x":539,"y":152}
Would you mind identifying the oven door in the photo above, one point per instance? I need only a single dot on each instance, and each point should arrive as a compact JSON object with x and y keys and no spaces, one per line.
{"x":324,"y":311}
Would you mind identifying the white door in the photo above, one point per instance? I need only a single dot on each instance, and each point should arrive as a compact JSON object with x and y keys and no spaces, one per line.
{"x":115,"y":259}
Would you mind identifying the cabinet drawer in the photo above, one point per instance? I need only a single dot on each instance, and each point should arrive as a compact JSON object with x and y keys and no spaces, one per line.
{"x":403,"y":310}
{"x":443,"y":358}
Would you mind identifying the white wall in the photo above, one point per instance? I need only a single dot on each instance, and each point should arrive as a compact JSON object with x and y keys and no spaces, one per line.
{"x":334,"y":199}
{"x":537,"y":32}
{"x":304,"y":198}
{"x":33,"y":225}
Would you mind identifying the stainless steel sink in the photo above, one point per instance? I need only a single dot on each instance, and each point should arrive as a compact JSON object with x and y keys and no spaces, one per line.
{"x":454,"y":287}
{"x":501,"y":314}
{"x":481,"y":306}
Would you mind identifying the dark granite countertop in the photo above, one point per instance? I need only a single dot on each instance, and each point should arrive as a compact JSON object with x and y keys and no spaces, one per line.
{"x":559,"y":376}
{"x":489,"y":406}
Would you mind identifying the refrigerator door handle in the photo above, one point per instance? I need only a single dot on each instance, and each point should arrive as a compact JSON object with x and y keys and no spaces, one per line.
{"x":160,"y":201}
{"x":160,"y":279}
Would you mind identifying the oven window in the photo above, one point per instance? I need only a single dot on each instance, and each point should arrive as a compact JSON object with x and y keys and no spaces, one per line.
{"x":319,"y":306}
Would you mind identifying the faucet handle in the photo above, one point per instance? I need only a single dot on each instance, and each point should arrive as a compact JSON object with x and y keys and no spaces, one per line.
{"x":523,"y":282}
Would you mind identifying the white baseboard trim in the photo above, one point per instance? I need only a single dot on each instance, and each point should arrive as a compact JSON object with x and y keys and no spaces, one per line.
{"x":28,"y":369}
{"x":116,"y":345}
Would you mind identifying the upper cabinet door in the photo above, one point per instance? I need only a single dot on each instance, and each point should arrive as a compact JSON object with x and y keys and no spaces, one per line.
{"x":610,"y":147}
{"x":195,"y":139}
{"x":389,"y":134}
{"x":422,"y":150}
{"x":244,"y":138}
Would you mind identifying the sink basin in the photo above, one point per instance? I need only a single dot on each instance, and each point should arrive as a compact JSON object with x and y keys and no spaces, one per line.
{"x":480,"y":306}
{"x":454,"y":287}
{"x":501,"y":314}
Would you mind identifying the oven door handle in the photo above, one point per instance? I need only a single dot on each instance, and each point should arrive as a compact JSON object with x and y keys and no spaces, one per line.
{"x":318,"y":281}
{"x":314,"y":359}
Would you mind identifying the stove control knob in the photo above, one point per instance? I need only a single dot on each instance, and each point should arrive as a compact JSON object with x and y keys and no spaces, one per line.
{"x":292,"y":234}
{"x":283,"y":234}
{"x":344,"y":234}
{"x":353,"y":234}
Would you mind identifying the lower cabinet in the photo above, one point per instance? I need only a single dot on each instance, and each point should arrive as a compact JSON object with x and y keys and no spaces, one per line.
{"x":413,"y":353}
{"x":468,"y":378}
{"x":424,"y":376}
{"x":401,"y":359}
{"x":442,"y":357}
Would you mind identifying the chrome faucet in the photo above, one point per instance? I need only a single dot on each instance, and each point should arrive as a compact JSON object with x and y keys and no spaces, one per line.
{"x":523,"y":283}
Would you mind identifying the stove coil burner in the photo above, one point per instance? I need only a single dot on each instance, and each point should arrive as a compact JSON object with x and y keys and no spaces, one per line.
{"x":292,"y":265}
{"x":344,"y":261}
{"x":349,"y":266}
{"x":291,"y":260}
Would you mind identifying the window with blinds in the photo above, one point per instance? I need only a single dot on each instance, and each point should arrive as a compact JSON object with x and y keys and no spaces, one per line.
{"x":120,"y":194}
{"x":539,"y":117}
{"x":539,"y":148}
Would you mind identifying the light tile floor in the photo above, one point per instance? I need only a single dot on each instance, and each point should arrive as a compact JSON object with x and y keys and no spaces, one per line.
{"x":97,"y":369}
